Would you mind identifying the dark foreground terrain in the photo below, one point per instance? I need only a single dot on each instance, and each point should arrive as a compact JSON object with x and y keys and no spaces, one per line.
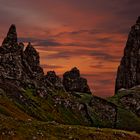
{"x":19,"y":130}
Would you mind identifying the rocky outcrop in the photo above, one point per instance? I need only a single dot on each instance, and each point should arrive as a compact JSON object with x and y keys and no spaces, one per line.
{"x":131,"y":99}
{"x":128,"y":74}
{"x":54,"y":79}
{"x":20,"y":67}
{"x":11,"y":56}
{"x":10,"y":41}
{"x":104,"y":111}
{"x":32,"y":57}
{"x":73,"y":82}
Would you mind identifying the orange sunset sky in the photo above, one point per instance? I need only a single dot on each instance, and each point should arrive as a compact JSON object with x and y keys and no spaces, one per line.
{"x":88,"y":34}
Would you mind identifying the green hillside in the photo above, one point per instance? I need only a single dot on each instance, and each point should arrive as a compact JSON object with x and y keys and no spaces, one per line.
{"x":39,"y":118}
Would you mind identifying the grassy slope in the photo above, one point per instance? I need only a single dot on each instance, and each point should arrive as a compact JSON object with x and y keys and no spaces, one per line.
{"x":8,"y":108}
{"x":19,"y":125}
{"x":14,"y":129}
{"x":57,"y":112}
{"x":40,"y":109}
{"x":126,"y":119}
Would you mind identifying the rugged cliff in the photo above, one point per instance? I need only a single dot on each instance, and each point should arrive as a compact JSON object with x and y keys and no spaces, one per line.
{"x":128,"y":74}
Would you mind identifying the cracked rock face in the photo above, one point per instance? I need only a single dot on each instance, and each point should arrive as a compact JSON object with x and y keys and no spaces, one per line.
{"x":73,"y":82}
{"x":128,"y":74}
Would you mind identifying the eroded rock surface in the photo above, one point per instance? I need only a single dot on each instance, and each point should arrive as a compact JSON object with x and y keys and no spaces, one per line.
{"x":128,"y":74}
{"x":10,"y":40}
{"x":73,"y":82}
{"x":20,"y":67}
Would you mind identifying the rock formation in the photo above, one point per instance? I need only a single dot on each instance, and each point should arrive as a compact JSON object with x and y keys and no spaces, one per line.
{"x":22,"y":67}
{"x":33,"y":59}
{"x":129,"y":99}
{"x":10,"y":40}
{"x":16,"y":65}
{"x":128,"y":74}
{"x":32,"y":95}
{"x":72,"y":81}
{"x":106,"y":111}
{"x":54,"y":79}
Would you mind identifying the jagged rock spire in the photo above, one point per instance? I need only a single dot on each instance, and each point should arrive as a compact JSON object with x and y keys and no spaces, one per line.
{"x":32,"y":55}
{"x":11,"y":38}
{"x":128,"y":74}
{"x":17,"y":64}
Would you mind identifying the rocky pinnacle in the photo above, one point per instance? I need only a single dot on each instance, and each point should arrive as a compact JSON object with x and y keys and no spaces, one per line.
{"x":128,"y":74}
{"x":11,"y":38}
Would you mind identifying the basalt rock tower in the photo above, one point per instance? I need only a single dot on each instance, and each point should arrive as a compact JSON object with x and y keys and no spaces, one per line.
{"x":128,"y":74}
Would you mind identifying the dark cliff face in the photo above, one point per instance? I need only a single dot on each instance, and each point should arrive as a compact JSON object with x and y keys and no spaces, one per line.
{"x":128,"y":74}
